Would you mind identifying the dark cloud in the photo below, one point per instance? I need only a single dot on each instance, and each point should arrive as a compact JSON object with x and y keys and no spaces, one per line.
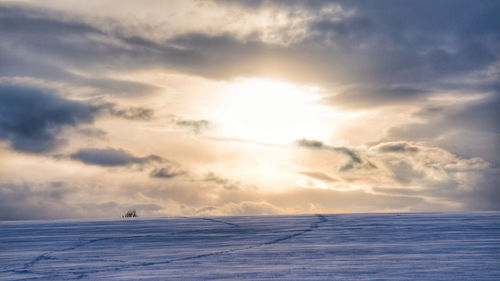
{"x":116,"y":87}
{"x":169,"y":171}
{"x":46,"y":44}
{"x":92,"y":50}
{"x":166,"y":173}
{"x":349,"y":31}
{"x":311,"y":144}
{"x":224,"y":182}
{"x":110,"y":157}
{"x":350,"y":165}
{"x":197,"y":126}
{"x":17,"y":19}
{"x":31,"y":119}
{"x":22,"y":65}
{"x":398,"y":191}
{"x":401,"y":147}
{"x":374,"y":96}
{"x":366,"y":46}
{"x":131,"y":113}
{"x":72,"y":42}
{"x":480,"y":115}
{"x":401,"y":42}
{"x":444,"y":125}
{"x":484,"y":196}
{"x":319,"y":145}
{"x":483,"y":115}
{"x":355,"y":160}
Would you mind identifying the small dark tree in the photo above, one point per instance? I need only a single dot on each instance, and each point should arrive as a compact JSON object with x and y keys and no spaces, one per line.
{"x":130,"y":214}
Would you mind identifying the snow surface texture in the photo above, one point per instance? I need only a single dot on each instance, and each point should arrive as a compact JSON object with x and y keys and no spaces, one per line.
{"x":413,"y":246}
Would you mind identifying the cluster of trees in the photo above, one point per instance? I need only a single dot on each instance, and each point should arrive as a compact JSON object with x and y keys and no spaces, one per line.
{"x":130,"y":214}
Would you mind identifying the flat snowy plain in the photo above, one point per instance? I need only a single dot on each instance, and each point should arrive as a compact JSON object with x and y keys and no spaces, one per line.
{"x":408,"y":246}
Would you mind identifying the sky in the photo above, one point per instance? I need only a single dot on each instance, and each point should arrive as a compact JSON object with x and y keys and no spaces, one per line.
{"x":208,"y":108}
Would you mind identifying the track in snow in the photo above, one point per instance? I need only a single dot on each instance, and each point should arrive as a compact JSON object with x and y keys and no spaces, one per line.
{"x":428,"y":246}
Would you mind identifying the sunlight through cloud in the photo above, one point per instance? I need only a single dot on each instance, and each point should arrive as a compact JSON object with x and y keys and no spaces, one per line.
{"x":270,"y":111}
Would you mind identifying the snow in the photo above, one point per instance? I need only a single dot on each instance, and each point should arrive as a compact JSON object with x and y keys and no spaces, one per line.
{"x":408,"y":246}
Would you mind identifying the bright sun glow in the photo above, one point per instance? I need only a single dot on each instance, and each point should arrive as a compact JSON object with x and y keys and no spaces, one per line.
{"x":270,"y":111}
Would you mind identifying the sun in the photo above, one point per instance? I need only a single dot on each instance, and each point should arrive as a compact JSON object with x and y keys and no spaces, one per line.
{"x":270,"y":111}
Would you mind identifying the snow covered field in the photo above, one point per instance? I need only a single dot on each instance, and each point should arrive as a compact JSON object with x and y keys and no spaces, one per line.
{"x":416,"y":246}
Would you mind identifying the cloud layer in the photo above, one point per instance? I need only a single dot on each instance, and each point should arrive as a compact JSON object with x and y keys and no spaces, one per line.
{"x":101,"y":111}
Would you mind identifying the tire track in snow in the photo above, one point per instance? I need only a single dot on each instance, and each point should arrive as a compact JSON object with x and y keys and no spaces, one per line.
{"x":80,"y":275}
{"x":79,"y":244}
{"x":313,"y":226}
{"x":48,"y":255}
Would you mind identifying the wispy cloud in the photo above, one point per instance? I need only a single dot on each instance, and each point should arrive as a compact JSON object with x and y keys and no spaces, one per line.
{"x":111,"y":157}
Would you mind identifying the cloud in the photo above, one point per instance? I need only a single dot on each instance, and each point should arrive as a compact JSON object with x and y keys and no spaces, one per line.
{"x":197,"y":126}
{"x":115,"y":87}
{"x":345,"y":42}
{"x":373,"y":96}
{"x":110,"y":157}
{"x":397,"y":147}
{"x":50,"y":45}
{"x":476,"y":116}
{"x":351,"y":29}
{"x":414,"y":170}
{"x":22,"y":201}
{"x":56,"y":200}
{"x":355,"y":160}
{"x":387,"y":43}
{"x":15,"y":66}
{"x":205,"y":210}
{"x":404,"y":172}
{"x":169,"y":171}
{"x":92,"y":133}
{"x":226,"y":183}
{"x":311,"y":144}
{"x":480,"y":194}
{"x":74,"y":42}
{"x":458,"y":128}
{"x":439,"y":70}
{"x":428,"y":179}
{"x":131,"y":113}
{"x":319,"y":176}
{"x":319,"y":145}
{"x":437,"y":174}
{"x":31,"y":119}
{"x":325,"y":200}
{"x":249,"y":209}
{"x":485,"y":194}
